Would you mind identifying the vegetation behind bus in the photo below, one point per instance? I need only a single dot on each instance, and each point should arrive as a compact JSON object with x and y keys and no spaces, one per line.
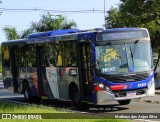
{"x":46,"y":23}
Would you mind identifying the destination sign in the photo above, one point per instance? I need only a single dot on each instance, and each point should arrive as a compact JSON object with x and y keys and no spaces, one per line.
{"x":122,"y":35}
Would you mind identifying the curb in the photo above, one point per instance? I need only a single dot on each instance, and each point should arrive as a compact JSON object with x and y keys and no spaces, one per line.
{"x":157,"y":93}
{"x":147,"y":101}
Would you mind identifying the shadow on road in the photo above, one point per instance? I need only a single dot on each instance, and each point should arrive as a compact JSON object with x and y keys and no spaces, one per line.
{"x":85,"y":107}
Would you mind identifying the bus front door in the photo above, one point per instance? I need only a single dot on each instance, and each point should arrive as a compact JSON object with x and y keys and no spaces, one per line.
{"x":47,"y":75}
{"x":14,"y":67}
{"x":85,"y":68}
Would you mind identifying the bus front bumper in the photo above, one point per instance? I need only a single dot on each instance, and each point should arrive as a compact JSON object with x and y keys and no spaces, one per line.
{"x":103,"y":97}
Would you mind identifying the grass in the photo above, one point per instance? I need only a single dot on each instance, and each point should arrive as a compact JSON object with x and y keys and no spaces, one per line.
{"x":6,"y":107}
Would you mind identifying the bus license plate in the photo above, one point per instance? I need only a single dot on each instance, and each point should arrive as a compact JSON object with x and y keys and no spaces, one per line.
{"x":131,"y":94}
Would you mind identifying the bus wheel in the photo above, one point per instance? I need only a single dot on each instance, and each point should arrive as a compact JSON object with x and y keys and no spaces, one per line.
{"x":124,"y":102}
{"x":27,"y":93}
{"x":75,"y":98}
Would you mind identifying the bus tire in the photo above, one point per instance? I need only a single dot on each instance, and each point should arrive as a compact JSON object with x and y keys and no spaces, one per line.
{"x":27,"y":93}
{"x":75,"y":98}
{"x":124,"y":102}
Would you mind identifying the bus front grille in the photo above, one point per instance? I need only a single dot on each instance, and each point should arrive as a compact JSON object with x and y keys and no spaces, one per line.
{"x":126,"y":78}
{"x":119,"y":93}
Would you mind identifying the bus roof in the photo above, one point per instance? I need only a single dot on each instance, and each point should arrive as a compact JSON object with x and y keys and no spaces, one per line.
{"x":122,"y":29}
{"x":50,"y":36}
{"x":60,"y":35}
{"x":52,"y":33}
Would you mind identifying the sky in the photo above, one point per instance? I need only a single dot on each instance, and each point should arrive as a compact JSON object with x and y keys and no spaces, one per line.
{"x":21,"y":18}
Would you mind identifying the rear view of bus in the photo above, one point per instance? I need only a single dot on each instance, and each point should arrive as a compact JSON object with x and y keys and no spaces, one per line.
{"x":123,"y":65}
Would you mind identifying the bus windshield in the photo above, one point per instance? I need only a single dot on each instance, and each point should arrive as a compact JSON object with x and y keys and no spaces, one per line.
{"x":123,"y":58}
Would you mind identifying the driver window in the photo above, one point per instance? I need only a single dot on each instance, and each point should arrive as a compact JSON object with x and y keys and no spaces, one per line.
{"x":50,"y":54}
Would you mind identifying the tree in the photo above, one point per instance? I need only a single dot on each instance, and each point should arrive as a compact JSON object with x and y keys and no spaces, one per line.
{"x":143,"y":11}
{"x":138,"y":13}
{"x":47,"y":23}
{"x":12,"y":34}
{"x":113,"y":18}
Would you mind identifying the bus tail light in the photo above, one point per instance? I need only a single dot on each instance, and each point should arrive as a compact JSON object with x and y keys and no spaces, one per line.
{"x":97,"y":88}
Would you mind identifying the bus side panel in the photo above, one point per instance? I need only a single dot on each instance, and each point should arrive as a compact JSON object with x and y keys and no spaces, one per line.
{"x":50,"y":83}
{"x":58,"y":81}
{"x":7,"y":78}
{"x":28,"y":74}
{"x":66,"y":75}
{"x":6,"y":68}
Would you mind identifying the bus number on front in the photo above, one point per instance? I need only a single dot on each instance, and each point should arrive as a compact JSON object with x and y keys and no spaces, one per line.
{"x":141,"y":84}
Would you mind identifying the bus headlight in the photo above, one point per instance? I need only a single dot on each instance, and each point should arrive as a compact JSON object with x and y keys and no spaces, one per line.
{"x":106,"y":88}
{"x":101,"y":85}
{"x":150,"y":83}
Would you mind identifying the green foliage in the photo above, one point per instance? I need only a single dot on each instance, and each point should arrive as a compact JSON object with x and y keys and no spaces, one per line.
{"x":113,"y":19}
{"x":47,"y":23}
{"x":6,"y":107}
{"x":25,"y":33}
{"x":12,"y":34}
{"x":143,"y":11}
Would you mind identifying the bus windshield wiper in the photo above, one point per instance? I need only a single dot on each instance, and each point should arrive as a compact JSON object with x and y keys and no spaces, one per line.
{"x":132,"y":56}
{"x":133,"y":51}
{"x":135,"y":45}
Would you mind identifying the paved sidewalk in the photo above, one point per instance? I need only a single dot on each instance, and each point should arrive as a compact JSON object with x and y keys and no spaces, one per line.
{"x":1,"y":84}
{"x":152,"y":99}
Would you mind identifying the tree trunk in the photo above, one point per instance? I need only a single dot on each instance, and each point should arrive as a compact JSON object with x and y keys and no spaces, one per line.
{"x":155,"y":68}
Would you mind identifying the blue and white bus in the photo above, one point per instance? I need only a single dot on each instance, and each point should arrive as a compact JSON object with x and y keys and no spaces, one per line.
{"x":96,"y":65}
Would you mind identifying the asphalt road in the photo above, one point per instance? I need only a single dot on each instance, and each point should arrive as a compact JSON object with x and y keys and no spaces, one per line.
{"x":111,"y":107}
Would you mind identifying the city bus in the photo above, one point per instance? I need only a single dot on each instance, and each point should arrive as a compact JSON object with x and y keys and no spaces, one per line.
{"x":96,"y":66}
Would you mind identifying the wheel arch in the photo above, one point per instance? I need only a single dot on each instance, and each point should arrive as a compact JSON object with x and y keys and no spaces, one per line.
{"x":72,"y":86}
{"x":23,"y":84}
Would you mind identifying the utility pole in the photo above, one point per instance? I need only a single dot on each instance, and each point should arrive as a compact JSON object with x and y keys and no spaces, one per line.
{"x":104,"y":13}
{"x":1,"y":11}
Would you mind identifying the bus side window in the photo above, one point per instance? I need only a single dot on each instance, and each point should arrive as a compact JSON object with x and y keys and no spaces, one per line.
{"x":6,"y":57}
{"x":50,"y":61}
{"x":50,"y":55}
{"x":59,"y":62}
